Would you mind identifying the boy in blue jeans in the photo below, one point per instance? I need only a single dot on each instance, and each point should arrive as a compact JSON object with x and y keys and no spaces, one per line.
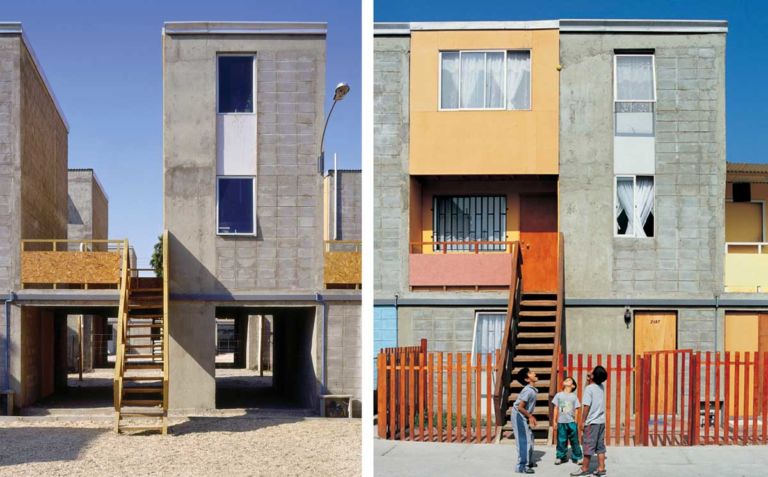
{"x":566,"y":402}
{"x":523,"y":420}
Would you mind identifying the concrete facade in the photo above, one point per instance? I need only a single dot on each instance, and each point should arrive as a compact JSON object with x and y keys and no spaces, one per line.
{"x":280,"y":267}
{"x":33,"y":193}
{"x":346,"y":187}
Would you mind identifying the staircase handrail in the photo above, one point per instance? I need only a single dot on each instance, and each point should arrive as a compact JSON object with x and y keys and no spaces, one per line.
{"x":508,"y":340}
{"x":121,"y":327}
{"x":556,"y":355}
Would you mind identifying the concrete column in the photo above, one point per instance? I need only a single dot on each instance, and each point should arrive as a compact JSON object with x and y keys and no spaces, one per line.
{"x":253,"y":342}
{"x":192,"y":349}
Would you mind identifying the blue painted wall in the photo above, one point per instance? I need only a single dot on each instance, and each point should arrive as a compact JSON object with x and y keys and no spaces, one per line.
{"x":384,"y":333}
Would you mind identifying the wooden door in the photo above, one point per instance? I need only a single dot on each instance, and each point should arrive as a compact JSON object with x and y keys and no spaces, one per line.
{"x":745,"y":332}
{"x":538,"y":239}
{"x":657,"y":331}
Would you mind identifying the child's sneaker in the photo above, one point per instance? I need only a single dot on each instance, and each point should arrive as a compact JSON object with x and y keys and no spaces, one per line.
{"x":599,"y":473}
{"x":580,"y":473}
{"x":562,"y":460}
{"x":527,"y":470}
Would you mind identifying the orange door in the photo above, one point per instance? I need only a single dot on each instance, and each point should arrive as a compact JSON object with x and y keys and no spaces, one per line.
{"x":745,"y":332}
{"x":538,"y":239}
{"x":657,"y":331}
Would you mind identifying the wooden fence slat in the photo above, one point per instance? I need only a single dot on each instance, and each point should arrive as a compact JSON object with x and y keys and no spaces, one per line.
{"x":582,"y":381}
{"x":478,"y":399}
{"x":657,"y":373}
{"x":745,"y":410}
{"x":718,"y":407}
{"x":736,"y":396}
{"x":468,"y":430}
{"x":392,"y":396}
{"x":755,"y":394}
{"x":617,"y":413}
{"x":607,"y":398}
{"x":440,"y":396}
{"x":646,"y":413}
{"x":430,"y":395}
{"x":707,"y":395}
{"x":411,"y":395}
{"x":627,"y":398}
{"x":381,"y":405}
{"x":488,"y":397}
{"x":449,"y":422}
{"x":402,"y":395}
{"x":459,"y":392}
{"x":666,"y":397}
{"x":764,"y":395}
{"x":422,"y":389}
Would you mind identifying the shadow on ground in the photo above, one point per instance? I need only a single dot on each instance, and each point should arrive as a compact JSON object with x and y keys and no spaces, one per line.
{"x":251,"y":420}
{"x":24,"y":445}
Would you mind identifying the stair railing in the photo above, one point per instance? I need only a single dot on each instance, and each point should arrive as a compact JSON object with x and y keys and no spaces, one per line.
{"x":559,"y":328}
{"x":122,"y":322}
{"x":166,"y":324}
{"x":509,"y":339}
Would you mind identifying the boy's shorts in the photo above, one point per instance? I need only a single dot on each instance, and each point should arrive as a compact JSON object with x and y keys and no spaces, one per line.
{"x":594,"y":439}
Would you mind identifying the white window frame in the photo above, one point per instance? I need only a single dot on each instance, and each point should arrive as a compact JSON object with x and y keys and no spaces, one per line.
{"x":253,"y":82}
{"x":634,"y":235}
{"x":253,"y":182}
{"x":616,"y":77}
{"x":474,"y":327}
{"x":505,"y":51}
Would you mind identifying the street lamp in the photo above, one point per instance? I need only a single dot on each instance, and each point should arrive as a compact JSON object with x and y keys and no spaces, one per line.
{"x":341,"y":90}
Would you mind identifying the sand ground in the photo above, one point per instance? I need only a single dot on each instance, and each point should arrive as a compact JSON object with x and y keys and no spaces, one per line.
{"x":269,"y":443}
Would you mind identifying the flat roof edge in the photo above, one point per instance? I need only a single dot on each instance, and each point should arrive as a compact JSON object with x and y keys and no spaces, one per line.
{"x":643,"y":26}
{"x":564,"y":25}
{"x":15,"y":28}
{"x":245,"y":28}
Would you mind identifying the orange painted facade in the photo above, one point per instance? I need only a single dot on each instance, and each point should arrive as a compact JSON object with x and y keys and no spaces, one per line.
{"x":484,"y":141}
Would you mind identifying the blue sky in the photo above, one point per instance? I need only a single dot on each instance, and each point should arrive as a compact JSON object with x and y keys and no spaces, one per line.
{"x":104,"y":62}
{"x":746,"y":52}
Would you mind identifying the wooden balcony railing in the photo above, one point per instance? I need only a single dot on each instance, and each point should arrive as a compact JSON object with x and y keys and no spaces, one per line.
{"x":343,"y":264}
{"x":59,"y":262}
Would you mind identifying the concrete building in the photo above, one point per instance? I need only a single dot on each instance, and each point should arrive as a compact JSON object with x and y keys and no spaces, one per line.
{"x":88,"y":219}
{"x":602,"y":145}
{"x":33,"y":204}
{"x":243,"y":116}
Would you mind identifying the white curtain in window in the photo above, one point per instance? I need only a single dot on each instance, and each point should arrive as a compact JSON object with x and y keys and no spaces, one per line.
{"x":644,"y":190}
{"x":634,"y":78}
{"x":472,"y":79}
{"x":449,"y":80}
{"x":625,"y":202}
{"x":494,"y":80}
{"x":488,"y":332}
{"x":518,"y":80}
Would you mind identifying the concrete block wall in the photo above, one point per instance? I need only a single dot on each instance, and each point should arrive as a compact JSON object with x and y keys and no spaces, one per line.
{"x":391,"y":182}
{"x":349,"y":221}
{"x":448,"y":329}
{"x":343,"y":350}
{"x":685,"y":258}
{"x":286,"y":253}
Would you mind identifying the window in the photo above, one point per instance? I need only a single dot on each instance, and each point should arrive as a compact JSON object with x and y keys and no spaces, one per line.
{"x":469,"y":219}
{"x":235,"y":205}
{"x":634,"y":95}
{"x":485,"y":79}
{"x":489,"y":330}
{"x":634,"y":206}
{"x":235,"y":84}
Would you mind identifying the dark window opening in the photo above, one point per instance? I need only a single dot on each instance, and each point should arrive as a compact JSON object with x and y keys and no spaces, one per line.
{"x":469,"y":219}
{"x":236,"y":84}
{"x":235,"y":204}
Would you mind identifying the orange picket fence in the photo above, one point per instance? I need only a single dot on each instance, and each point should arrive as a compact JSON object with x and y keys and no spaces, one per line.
{"x":680,"y":397}
{"x":436,"y":397}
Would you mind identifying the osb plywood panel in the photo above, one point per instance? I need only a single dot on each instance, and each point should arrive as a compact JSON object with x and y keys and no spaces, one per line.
{"x":343,"y":268}
{"x":70,"y":267}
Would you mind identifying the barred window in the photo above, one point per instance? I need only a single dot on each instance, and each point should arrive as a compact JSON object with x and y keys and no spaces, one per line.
{"x":469,"y":219}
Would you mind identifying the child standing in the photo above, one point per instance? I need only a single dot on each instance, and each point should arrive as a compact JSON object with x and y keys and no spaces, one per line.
{"x":523,"y":420}
{"x":594,"y":423}
{"x":566,"y":402}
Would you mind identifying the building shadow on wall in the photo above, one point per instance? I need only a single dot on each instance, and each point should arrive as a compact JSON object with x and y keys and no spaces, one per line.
{"x":25,"y":445}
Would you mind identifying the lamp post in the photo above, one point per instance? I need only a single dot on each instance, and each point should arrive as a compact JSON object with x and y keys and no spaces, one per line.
{"x":341,"y":90}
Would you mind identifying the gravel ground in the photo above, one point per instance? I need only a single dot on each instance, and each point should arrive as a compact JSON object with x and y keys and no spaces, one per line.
{"x":219,"y":444}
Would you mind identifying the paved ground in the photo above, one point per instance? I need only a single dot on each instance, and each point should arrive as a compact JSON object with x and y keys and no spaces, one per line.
{"x":404,"y":459}
{"x":232,"y":442}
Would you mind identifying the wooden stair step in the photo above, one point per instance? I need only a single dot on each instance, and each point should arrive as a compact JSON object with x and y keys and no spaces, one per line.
{"x":540,"y":426}
{"x":141,"y":402}
{"x":534,"y":334}
{"x":551,"y":313}
{"x":152,"y":336}
{"x":535,"y":346}
{"x":532,"y":357}
{"x":130,"y":365}
{"x":538,"y":303}
{"x":139,"y":346}
{"x":144,"y":325}
{"x":143,"y":356}
{"x":536,"y":370}
{"x":147,"y":413}
{"x":143,"y":306}
{"x":541,"y":383}
{"x":142,"y":378}
{"x":147,"y":289}
{"x":137,"y":390}
{"x":536,"y":324}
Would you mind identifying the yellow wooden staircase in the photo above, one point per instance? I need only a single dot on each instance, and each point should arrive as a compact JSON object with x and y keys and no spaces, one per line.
{"x":141,"y":364}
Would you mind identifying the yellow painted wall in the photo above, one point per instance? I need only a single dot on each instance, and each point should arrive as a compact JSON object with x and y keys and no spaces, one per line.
{"x":746,"y":272}
{"x":508,"y":187}
{"x":484,"y":142}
